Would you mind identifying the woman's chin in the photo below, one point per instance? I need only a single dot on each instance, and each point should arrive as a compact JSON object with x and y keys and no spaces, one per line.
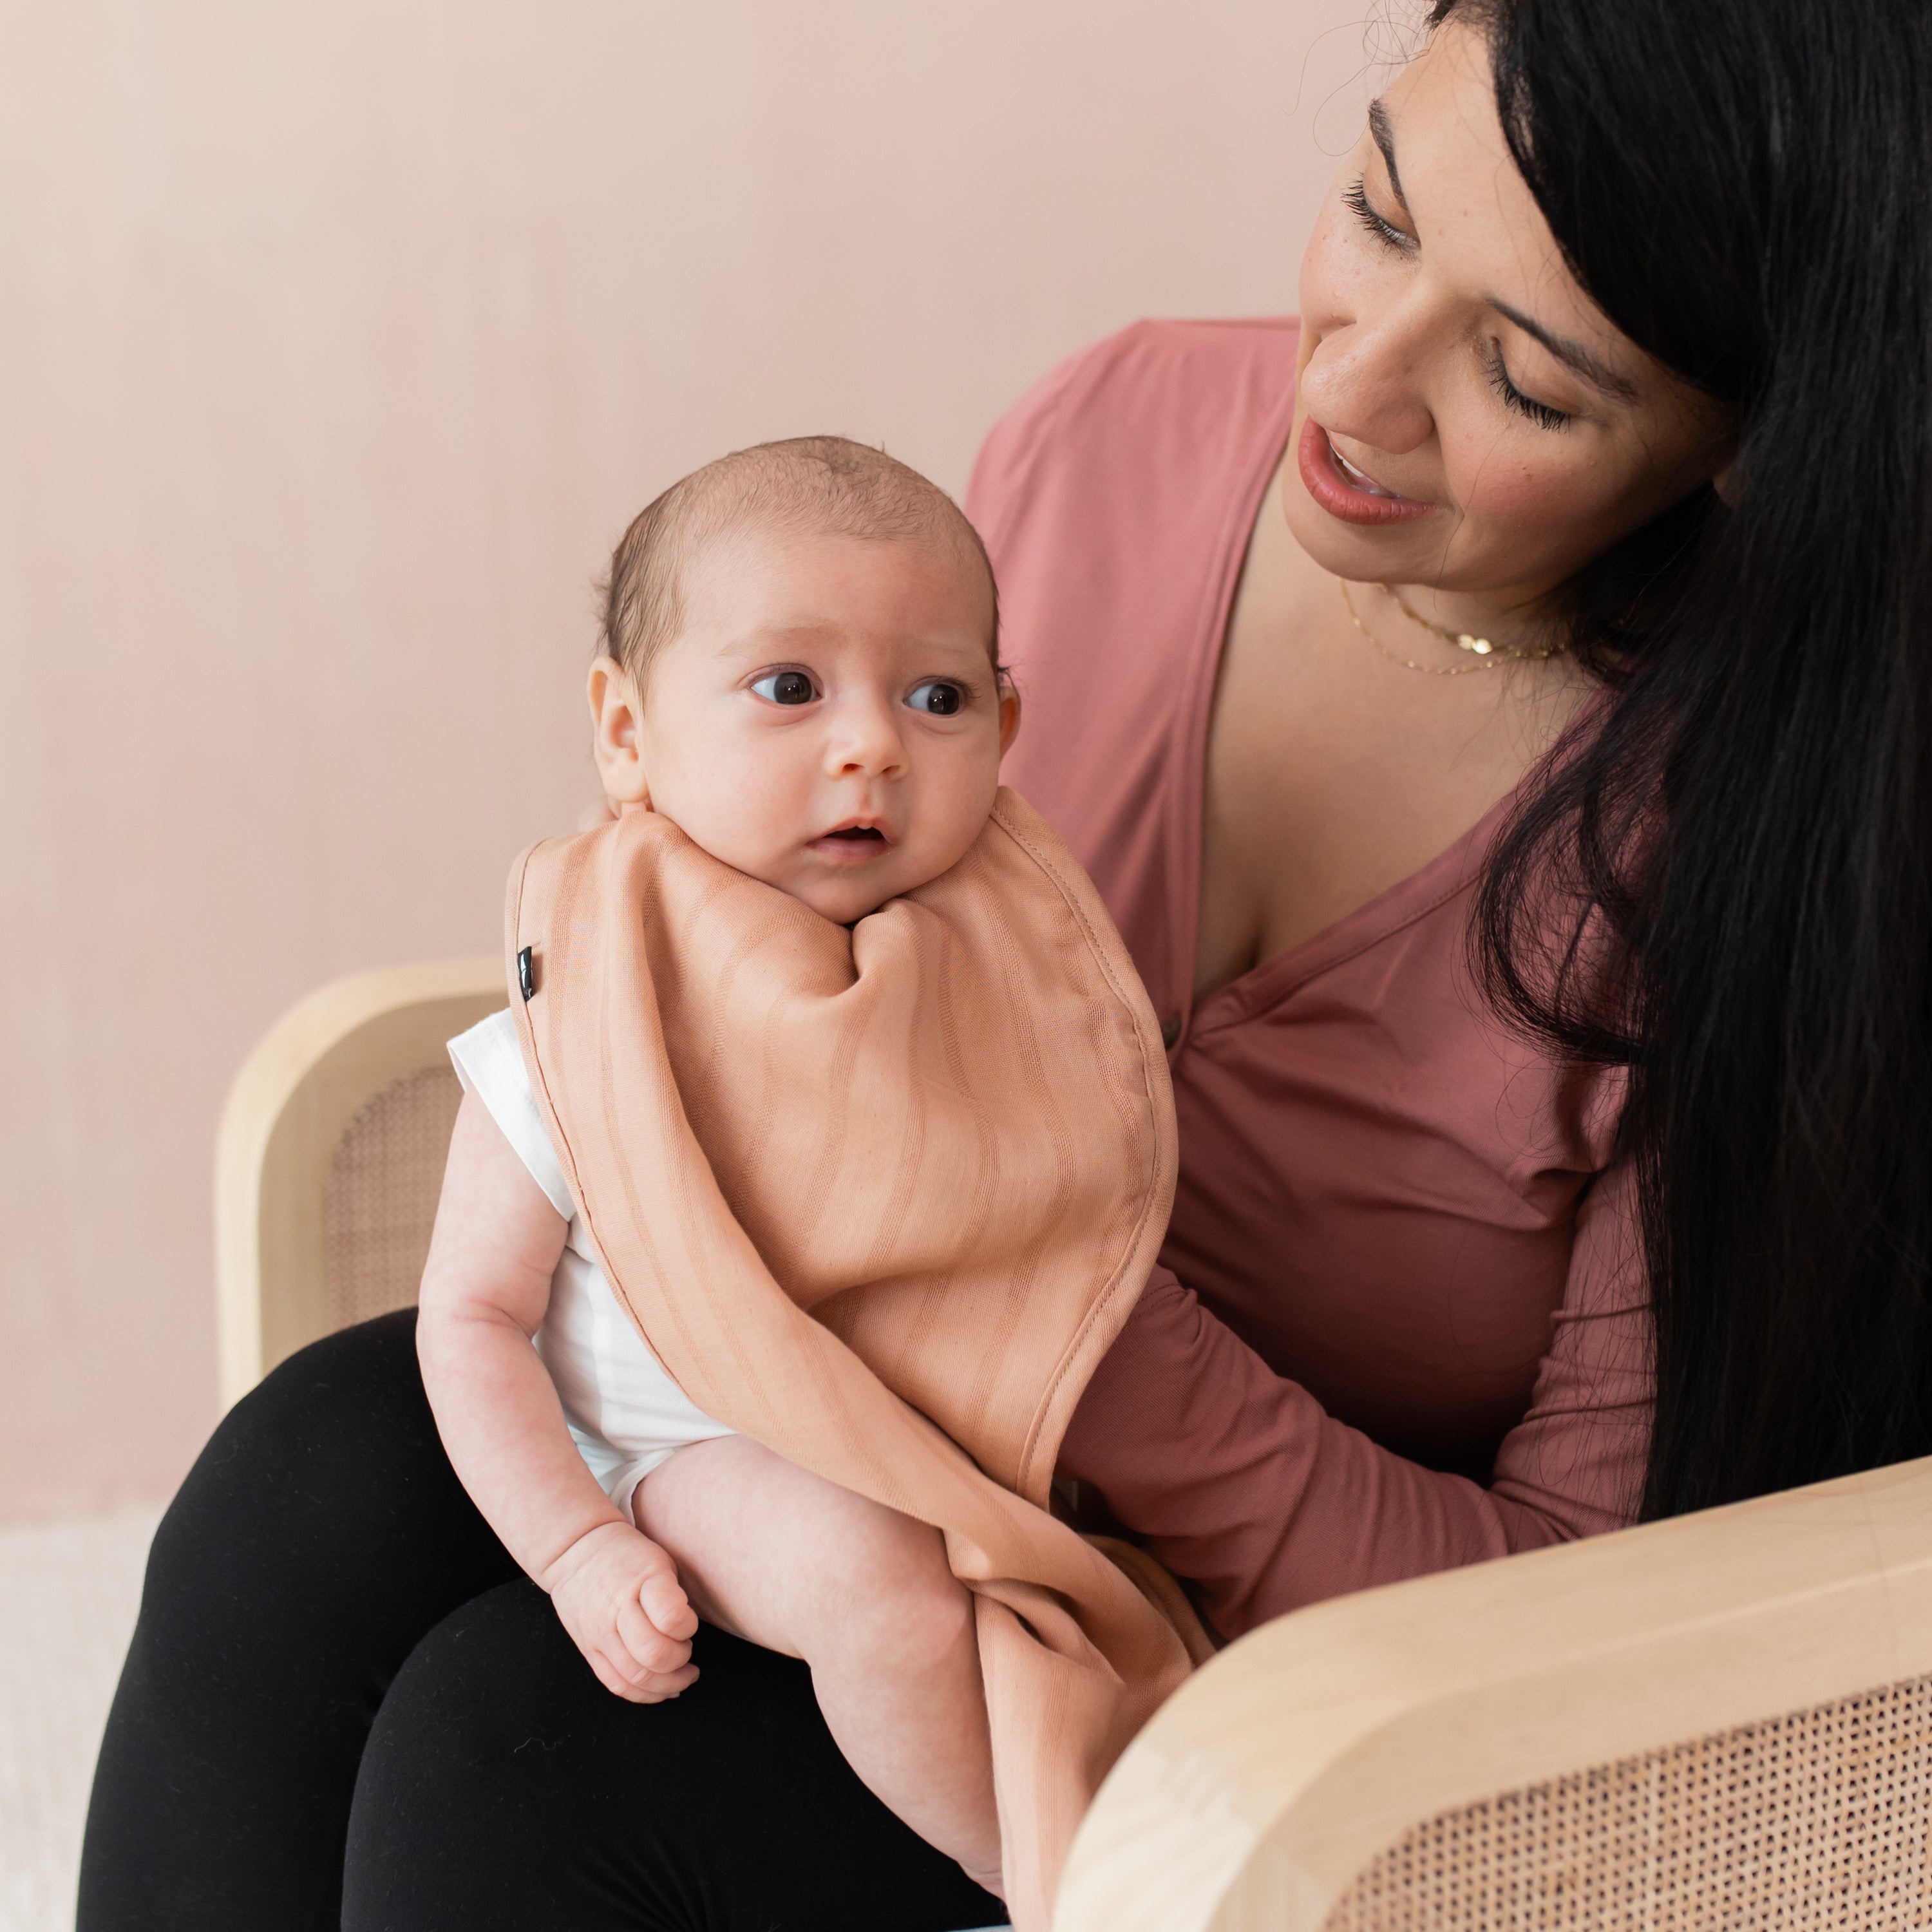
{"x":1363,"y":553}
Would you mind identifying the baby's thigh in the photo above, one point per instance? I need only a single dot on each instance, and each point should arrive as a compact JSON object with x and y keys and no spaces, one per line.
{"x":775,"y":1554}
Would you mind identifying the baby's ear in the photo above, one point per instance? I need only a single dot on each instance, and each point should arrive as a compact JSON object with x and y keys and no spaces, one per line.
{"x":615,"y":716}
{"x":1009,"y":711}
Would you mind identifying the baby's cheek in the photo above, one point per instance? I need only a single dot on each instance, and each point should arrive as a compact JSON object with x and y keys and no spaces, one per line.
{"x":960,"y":811}
{"x":732,"y":808}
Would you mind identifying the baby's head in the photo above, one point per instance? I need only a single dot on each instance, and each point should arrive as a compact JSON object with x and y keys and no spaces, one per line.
{"x":801,"y":670}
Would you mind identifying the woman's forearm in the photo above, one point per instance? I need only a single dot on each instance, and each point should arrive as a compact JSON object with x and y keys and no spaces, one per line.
{"x":1244,"y":1485}
{"x":1241,"y":1482}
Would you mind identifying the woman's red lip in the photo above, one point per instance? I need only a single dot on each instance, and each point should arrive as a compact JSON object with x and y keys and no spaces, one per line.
{"x":1314,"y":458}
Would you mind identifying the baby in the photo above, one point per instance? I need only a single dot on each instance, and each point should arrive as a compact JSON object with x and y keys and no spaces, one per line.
{"x":801,"y":672}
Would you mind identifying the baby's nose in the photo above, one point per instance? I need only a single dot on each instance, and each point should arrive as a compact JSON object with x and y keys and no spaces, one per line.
{"x":868,"y":744}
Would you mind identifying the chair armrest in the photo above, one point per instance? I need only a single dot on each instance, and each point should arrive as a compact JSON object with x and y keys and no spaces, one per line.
{"x":289,"y":1106}
{"x":1268,"y":1782}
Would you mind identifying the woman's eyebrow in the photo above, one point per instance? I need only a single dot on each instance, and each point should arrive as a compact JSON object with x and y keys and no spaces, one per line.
{"x":1591,"y":367}
{"x":1573,"y":355}
{"x":1384,"y":138}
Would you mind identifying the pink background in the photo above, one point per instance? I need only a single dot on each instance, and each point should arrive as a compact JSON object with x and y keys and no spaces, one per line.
{"x":337,"y":343}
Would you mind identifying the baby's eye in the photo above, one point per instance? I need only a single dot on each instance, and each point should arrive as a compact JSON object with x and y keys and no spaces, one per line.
{"x":785,"y":687}
{"x":937,"y":697}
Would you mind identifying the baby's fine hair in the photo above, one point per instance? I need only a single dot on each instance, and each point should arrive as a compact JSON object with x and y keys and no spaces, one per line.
{"x":815,"y":483}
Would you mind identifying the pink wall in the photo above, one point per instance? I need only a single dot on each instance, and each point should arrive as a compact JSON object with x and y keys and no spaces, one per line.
{"x":339,"y":341}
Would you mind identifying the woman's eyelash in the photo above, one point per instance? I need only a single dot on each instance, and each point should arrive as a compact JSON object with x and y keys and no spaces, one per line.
{"x":1356,"y":197}
{"x":1541,"y":414}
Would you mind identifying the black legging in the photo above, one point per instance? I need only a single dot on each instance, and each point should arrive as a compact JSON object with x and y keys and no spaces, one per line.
{"x":344,"y":1705}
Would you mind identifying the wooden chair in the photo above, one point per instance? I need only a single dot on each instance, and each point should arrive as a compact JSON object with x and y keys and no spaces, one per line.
{"x":1721,"y":1723}
{"x":330,"y":1155}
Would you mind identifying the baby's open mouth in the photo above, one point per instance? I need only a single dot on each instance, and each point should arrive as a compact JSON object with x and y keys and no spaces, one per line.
{"x":853,"y":844}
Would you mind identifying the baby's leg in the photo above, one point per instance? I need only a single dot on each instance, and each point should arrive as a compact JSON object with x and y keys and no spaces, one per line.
{"x":790,"y":1560}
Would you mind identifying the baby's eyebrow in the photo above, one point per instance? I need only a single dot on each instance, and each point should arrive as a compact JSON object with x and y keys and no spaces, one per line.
{"x":767,"y":638}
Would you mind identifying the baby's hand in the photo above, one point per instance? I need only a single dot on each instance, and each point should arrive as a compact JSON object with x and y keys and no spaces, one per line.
{"x":617,"y":1594}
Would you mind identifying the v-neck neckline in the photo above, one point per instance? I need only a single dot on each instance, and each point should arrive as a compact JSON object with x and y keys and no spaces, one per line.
{"x":1436,"y":880}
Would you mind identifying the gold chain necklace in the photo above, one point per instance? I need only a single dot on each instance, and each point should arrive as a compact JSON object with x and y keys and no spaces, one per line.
{"x":1487,"y":655}
{"x":1461,"y":639}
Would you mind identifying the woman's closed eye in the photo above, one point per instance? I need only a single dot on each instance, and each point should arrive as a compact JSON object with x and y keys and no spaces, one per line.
{"x":938,"y":698}
{"x":1356,"y":197}
{"x":1541,"y":414}
{"x":785,"y":687}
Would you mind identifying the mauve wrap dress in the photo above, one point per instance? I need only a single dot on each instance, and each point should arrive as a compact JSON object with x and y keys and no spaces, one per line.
{"x":1401,"y":1321}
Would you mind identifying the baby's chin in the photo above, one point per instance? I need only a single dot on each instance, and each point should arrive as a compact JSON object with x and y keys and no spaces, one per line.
{"x":846,"y":894}
{"x":846,"y":901}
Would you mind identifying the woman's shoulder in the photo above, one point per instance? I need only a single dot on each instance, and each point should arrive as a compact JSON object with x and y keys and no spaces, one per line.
{"x":1178,"y":398}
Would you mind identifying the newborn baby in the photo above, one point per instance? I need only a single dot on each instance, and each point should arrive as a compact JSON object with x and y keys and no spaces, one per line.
{"x":801,"y":673}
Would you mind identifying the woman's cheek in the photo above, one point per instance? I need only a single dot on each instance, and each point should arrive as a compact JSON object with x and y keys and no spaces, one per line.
{"x":1516,"y":494}
{"x":1333,"y":277}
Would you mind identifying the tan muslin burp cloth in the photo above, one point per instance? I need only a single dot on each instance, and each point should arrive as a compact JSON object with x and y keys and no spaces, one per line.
{"x":880,"y":1199}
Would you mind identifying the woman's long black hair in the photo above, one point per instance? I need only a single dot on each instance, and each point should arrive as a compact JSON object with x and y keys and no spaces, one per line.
{"x":1724,"y":880}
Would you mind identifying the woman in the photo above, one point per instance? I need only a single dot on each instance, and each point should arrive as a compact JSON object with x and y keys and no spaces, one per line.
{"x":1497,"y":715}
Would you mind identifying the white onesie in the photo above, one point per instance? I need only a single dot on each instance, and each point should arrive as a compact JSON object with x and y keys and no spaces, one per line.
{"x":626,"y":1415}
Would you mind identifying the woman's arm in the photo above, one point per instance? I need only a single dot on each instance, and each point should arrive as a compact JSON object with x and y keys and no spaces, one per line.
{"x":1242,"y":1483}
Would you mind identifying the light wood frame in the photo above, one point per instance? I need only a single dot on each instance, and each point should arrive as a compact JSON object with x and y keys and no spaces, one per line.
{"x":1261,"y":1790}
{"x":290,"y":1104}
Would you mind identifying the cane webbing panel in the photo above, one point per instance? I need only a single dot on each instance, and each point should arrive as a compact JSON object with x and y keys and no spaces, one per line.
{"x":383,"y":1182}
{"x":1805,"y":1823}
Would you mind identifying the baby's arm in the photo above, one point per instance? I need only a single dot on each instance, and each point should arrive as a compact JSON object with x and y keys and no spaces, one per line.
{"x":485,"y":1288}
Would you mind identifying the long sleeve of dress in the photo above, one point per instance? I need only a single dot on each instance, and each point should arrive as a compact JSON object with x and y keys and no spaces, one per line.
{"x":1241,"y":1484}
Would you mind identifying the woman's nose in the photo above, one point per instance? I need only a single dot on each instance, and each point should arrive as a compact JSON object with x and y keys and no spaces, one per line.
{"x":865,"y":743}
{"x":1368,"y":381}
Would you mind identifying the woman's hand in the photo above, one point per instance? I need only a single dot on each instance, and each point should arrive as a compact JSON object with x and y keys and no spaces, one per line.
{"x":618,"y":1595}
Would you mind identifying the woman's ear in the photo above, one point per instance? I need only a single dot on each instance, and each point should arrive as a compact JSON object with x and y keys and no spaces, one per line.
{"x":615,"y":717}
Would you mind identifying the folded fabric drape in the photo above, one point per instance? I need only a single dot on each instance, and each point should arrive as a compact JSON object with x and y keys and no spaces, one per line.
{"x":879,"y":1198}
